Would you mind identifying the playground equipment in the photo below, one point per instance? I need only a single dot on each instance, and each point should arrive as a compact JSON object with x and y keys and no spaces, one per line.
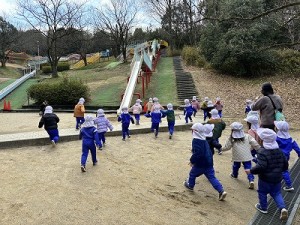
{"x":5,"y":91}
{"x":90,"y":60}
{"x":150,"y":59}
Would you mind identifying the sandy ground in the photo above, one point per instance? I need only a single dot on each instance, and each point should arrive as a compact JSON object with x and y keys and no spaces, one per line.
{"x":139,"y":181}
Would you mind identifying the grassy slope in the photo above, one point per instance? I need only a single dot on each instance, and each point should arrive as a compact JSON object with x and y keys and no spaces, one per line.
{"x":163,"y":83}
{"x":9,"y":72}
{"x":6,"y":83}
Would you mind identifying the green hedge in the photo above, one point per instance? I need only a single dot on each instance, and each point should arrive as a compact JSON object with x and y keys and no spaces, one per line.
{"x":192,"y":56}
{"x":289,"y":61}
{"x":65,"y":92}
{"x":62,"y":66}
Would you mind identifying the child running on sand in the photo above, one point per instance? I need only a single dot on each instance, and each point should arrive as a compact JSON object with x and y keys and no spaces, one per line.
{"x":155,"y":116}
{"x":219,"y":126}
{"x":149,"y":105}
{"x":201,"y":162}
{"x":204,"y":107}
{"x":188,"y":111}
{"x":271,"y":162}
{"x":195,"y":105}
{"x":125,"y":119}
{"x":252,"y":122}
{"x":136,"y":110}
{"x":170,"y":118}
{"x":219,"y":106}
{"x":241,"y":145}
{"x":286,"y":145}
{"x":88,"y":134}
{"x":49,"y":120}
{"x":79,"y":111}
{"x":103,"y":124}
{"x":248,"y":106}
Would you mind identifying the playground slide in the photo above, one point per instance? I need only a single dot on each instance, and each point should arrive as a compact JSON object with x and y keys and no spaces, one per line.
{"x":131,"y":84}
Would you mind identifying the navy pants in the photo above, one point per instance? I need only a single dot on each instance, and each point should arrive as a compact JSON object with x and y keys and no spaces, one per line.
{"x":188,"y":116}
{"x":101,"y":136}
{"x":79,"y":121}
{"x":287,"y":178}
{"x":155,"y":128}
{"x":125,"y":130}
{"x":265,"y":188}
{"x":88,"y":145}
{"x":210,"y":175}
{"x":53,"y":135}
{"x":171,"y":127}
{"x":247,"y":165}
{"x":137,"y":117}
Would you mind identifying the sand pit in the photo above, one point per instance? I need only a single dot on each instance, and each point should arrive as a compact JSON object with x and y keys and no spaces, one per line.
{"x":138,"y":181}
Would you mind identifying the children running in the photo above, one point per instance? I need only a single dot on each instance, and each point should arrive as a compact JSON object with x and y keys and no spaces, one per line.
{"x":219,"y":106}
{"x":204,"y":108}
{"x":241,"y":145}
{"x":252,"y":122}
{"x":125,"y":119}
{"x":271,"y":163}
{"x":136,"y":110}
{"x":88,"y":134}
{"x":201,"y":162}
{"x":49,"y":120}
{"x":188,"y":111}
{"x":219,"y":126}
{"x":149,"y":105}
{"x":195,"y":105}
{"x":79,"y":111}
{"x":155,"y":116}
{"x":248,"y":106}
{"x":286,"y":145}
{"x":103,"y":124}
{"x":170,"y":118}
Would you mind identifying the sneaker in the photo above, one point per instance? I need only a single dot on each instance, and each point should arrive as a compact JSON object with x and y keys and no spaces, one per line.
{"x":103,"y":144}
{"x":251,"y":185}
{"x":53,"y":143}
{"x":123,"y":139}
{"x":232,"y":176}
{"x":222,"y":195}
{"x":83,"y":169}
{"x":170,"y":136}
{"x":129,"y":136}
{"x":286,"y":188}
{"x":95,"y":163}
{"x":186,"y":184}
{"x":100,"y":148}
{"x":259,"y":208}
{"x":283,"y":214}
{"x":220,"y":152}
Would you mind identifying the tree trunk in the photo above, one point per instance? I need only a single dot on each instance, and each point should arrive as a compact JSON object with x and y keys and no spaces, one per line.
{"x":3,"y":63}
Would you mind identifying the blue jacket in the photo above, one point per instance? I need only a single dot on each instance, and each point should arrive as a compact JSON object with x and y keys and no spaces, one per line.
{"x":88,"y":134}
{"x":287,"y":145}
{"x":201,"y":154}
{"x":126,"y":118}
{"x":155,"y":116}
{"x":188,"y":110}
{"x":270,"y":165}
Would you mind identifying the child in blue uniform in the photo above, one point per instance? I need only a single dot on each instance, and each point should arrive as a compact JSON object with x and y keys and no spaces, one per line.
{"x":188,"y":110}
{"x":286,"y":145}
{"x":170,"y":118}
{"x":271,"y":162}
{"x":125,"y":119}
{"x":155,"y":116}
{"x":88,"y":134}
{"x":248,"y":106}
{"x":201,"y":161}
{"x":49,"y":120}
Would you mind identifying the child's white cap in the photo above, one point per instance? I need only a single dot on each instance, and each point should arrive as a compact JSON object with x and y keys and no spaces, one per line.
{"x":138,"y":100}
{"x":155,"y":99}
{"x":194,"y":98}
{"x":48,"y":109}
{"x":125,"y":109}
{"x":215,"y":114}
{"x":81,"y":100}
{"x":208,"y":130}
{"x":186,"y":101}
{"x":199,"y":130}
{"x":248,"y":101}
{"x":253,"y":113}
{"x":210,"y":104}
{"x":206,"y":99}
{"x":170,"y":106}
{"x":237,"y":130}
{"x":88,"y":121}
{"x":268,"y":137}
{"x":283,"y":129}
{"x":100,"y":112}
{"x":253,"y":119}
{"x":218,"y":99}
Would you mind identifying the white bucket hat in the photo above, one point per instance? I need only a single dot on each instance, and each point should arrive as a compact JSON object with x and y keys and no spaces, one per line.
{"x":206,"y":99}
{"x":198,"y":131}
{"x":81,"y":101}
{"x":89,"y":121}
{"x":283,"y":129}
{"x":215,"y":114}
{"x":237,"y":130}
{"x":253,"y":120}
{"x":194,"y":98}
{"x":170,"y":106}
{"x":268,"y":137}
{"x":210,"y":104}
{"x":100,"y":112}
{"x":125,"y":109}
{"x":208,"y":130}
{"x":48,"y":109}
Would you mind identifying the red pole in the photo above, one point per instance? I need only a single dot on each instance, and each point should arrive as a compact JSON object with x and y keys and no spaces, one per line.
{"x":143,"y":87}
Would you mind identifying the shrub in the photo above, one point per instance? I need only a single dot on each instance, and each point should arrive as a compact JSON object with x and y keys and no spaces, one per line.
{"x":62,"y":66}
{"x":192,"y":56}
{"x":65,"y":92}
{"x":46,"y":69}
{"x":173,"y":52}
{"x":289,"y":61}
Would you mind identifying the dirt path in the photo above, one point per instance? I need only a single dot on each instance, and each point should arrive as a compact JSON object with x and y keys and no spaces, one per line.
{"x":138,"y":181}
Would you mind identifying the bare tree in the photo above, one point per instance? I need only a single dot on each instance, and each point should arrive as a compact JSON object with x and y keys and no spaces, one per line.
{"x":8,"y":39}
{"x":52,"y":18}
{"x":117,"y":18}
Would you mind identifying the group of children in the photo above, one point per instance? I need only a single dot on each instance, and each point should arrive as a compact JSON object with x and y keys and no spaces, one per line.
{"x":269,"y":151}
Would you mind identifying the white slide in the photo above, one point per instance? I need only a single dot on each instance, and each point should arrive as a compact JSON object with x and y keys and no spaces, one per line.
{"x":126,"y":101}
